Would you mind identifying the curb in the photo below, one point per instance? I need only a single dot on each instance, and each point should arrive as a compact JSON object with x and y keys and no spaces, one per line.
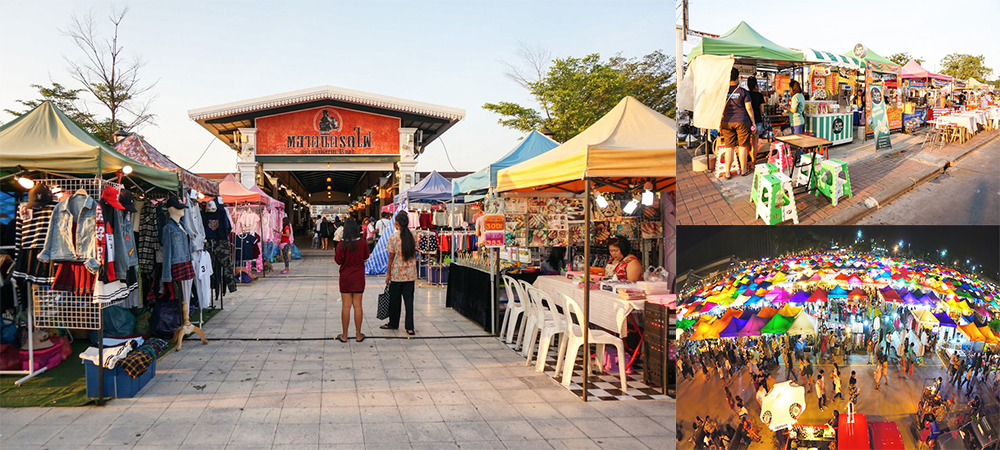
{"x":857,"y":211}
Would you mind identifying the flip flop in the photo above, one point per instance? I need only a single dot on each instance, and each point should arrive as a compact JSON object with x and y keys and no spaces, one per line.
{"x":340,"y":338}
{"x":362,"y":338}
{"x":387,"y":327}
{"x":411,"y":332}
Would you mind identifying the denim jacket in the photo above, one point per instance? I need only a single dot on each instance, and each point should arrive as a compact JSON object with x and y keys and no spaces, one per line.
{"x":80,"y":209}
{"x":126,"y":254}
{"x":194,"y":227}
{"x":174,"y":242}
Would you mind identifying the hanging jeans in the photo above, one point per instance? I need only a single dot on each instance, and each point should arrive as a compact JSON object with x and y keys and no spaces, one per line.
{"x":400,"y":290}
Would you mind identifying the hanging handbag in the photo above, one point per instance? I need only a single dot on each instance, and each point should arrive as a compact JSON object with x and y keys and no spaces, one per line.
{"x":383,"y":304}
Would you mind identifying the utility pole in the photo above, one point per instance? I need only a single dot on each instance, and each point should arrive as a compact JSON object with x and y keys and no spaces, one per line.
{"x":681,"y":36}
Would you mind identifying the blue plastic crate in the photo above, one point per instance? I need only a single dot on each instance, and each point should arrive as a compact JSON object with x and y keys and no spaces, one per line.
{"x":117,"y":383}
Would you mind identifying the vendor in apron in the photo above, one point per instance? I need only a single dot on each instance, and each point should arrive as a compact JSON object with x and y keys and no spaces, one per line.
{"x":623,"y":265}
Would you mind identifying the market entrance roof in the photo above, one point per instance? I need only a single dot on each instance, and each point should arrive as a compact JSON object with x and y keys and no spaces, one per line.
{"x":743,"y":41}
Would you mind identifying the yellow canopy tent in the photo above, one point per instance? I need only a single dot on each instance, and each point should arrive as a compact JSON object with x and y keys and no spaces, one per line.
{"x":790,"y":311}
{"x":630,"y":141}
{"x":703,"y":326}
{"x":970,"y":331}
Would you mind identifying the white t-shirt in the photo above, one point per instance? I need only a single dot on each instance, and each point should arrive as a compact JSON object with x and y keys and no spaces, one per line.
{"x":381,"y":226}
{"x":338,"y":235}
{"x":319,"y":225}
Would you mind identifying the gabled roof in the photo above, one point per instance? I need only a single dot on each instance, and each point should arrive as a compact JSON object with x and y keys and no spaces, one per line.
{"x":743,"y":41}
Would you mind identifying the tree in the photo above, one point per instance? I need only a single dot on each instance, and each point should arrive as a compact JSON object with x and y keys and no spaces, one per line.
{"x":65,"y":99}
{"x":110,"y":76}
{"x":573,"y":93}
{"x":903,"y":58}
{"x":965,"y":66}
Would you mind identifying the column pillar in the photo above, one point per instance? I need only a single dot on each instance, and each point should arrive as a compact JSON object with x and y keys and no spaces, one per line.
{"x":407,"y":166}
{"x":246,"y":163}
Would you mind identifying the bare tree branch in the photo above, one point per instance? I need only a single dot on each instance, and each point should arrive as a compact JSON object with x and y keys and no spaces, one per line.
{"x":533,"y":63}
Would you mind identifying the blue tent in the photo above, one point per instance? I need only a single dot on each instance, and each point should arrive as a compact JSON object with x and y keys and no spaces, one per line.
{"x":433,"y":188}
{"x":478,"y":183}
{"x":837,"y":292}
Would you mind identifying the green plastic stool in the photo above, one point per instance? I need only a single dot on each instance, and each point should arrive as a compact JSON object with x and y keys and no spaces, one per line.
{"x":759,"y":172}
{"x":830,"y":183}
{"x":776,"y":202}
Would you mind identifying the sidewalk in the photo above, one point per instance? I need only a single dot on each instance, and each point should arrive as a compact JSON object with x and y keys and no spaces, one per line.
{"x":876,"y":179}
{"x":272,"y":376}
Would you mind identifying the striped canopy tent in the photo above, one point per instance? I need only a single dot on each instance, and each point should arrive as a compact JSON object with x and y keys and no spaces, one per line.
{"x":819,"y":295}
{"x":857,"y":294}
{"x":758,"y":322}
{"x":837,"y":292}
{"x":799,"y":297}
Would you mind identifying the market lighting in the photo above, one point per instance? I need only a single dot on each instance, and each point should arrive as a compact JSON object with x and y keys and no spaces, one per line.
{"x":647,"y":197}
{"x":601,"y":201}
{"x":25,"y":182}
{"x":631,"y":206}
{"x":127,"y":170}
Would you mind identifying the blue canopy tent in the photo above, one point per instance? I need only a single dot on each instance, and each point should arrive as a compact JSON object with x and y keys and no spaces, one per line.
{"x":480,"y":182}
{"x":432,"y":189}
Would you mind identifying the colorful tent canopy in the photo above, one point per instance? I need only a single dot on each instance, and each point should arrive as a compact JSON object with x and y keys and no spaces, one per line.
{"x":944,"y":320}
{"x":703,"y":326}
{"x":890,"y":295}
{"x":778,"y":324}
{"x":837,"y":292}
{"x":46,"y":139}
{"x":832,"y":59}
{"x":819,"y":295}
{"x":803,"y":324}
{"x":857,"y":293}
{"x":799,"y":297}
{"x":137,"y":148}
{"x":744,"y":42}
{"x":913,"y":70}
{"x":758,"y":322}
{"x":972,"y":332}
{"x":267,"y":199}
{"x":532,"y":145}
{"x":684,"y":324}
{"x":877,"y":63}
{"x":433,"y":188}
{"x":232,"y":192}
{"x":631,"y":140}
{"x":925,"y":317}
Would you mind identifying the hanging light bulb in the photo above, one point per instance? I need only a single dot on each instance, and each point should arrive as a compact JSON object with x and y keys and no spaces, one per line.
{"x":601,"y":201}
{"x":647,"y":194}
{"x":127,"y":170}
{"x":328,"y":179}
{"x":25,"y":182}
{"x":201,"y":196}
{"x":631,"y":206}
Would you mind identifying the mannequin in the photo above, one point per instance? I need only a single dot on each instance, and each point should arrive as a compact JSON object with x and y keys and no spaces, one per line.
{"x":176,"y":214}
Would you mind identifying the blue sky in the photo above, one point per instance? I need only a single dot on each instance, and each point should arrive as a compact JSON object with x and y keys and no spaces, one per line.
{"x":929,"y":29}
{"x":210,"y":52}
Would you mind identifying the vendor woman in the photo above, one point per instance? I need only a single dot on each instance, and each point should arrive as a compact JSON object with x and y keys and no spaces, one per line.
{"x":623,"y":264}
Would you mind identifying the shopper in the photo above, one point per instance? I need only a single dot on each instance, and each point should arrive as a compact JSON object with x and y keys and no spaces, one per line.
{"x":623,"y":264}
{"x":338,"y":235}
{"x":807,"y":372}
{"x":836,"y":383}
{"x":286,"y":244}
{"x":820,"y":390}
{"x":351,"y":254}
{"x":737,"y":124}
{"x":401,"y":274}
{"x":554,"y":264}
{"x":315,"y":232}
{"x":797,"y":107}
{"x":325,"y":232}
{"x":756,"y":102}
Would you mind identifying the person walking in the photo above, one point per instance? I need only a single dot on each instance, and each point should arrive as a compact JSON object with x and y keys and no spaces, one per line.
{"x":401,"y":273}
{"x":820,"y":390}
{"x":807,"y":373}
{"x":852,"y":388}
{"x":351,"y":254}
{"x":729,"y":400}
{"x":286,"y":244}
{"x":836,"y":383}
{"x":325,"y":233}
{"x":315,"y":233}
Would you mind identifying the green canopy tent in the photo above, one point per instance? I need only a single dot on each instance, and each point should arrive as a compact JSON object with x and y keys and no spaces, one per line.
{"x":47,"y":140}
{"x":744,"y":42}
{"x":870,"y":55}
{"x":779,"y":324}
{"x":684,"y":324}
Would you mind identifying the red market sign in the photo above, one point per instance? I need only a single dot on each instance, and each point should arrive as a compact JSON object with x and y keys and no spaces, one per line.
{"x":327,"y":131}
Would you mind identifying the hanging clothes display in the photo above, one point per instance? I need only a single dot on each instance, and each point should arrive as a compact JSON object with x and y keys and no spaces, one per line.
{"x":33,"y":220}
{"x":148,"y":240}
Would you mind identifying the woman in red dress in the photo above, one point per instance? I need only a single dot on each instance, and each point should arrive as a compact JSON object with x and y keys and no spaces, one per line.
{"x":351,"y":254}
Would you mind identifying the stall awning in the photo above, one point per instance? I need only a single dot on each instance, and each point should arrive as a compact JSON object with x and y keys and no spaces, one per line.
{"x":630,"y":141}
{"x":743,"y":41}
{"x":912,"y":70}
{"x":803,"y":324}
{"x":267,"y":199}
{"x":232,"y":192}
{"x":137,"y":148}
{"x":47,"y":140}
{"x":433,"y":188}
{"x":532,"y":145}
{"x":833,"y":59}
{"x":877,"y":63}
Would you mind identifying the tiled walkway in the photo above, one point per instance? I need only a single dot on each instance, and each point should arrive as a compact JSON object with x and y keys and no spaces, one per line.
{"x":302,"y":389}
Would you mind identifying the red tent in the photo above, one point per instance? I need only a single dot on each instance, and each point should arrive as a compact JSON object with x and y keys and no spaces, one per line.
{"x":818,"y":296}
{"x":856,"y":294}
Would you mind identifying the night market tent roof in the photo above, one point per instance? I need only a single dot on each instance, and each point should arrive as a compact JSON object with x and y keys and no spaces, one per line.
{"x":433,"y":188}
{"x":631,"y":140}
{"x":925,"y":317}
{"x":532,"y":145}
{"x":779,"y":324}
{"x":684,"y":324}
{"x":758,"y":321}
{"x":47,"y":140}
{"x":890,"y":295}
{"x":703,"y":328}
{"x":913,"y":70}
{"x":872,"y":56}
{"x":988,"y":336}
{"x":267,"y":199}
{"x":972,"y":332}
{"x":909,"y":299}
{"x":944,"y":320}
{"x":974,"y":84}
{"x":803,"y":324}
{"x":837,"y":292}
{"x":833,"y":59}
{"x":857,"y":293}
{"x":799,"y":297}
{"x":137,"y":148}
{"x":232,"y":192}
{"x":743,"y":41}
{"x":819,"y":295}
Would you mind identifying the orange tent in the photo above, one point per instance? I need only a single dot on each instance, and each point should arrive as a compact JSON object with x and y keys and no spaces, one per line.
{"x":970,"y":331}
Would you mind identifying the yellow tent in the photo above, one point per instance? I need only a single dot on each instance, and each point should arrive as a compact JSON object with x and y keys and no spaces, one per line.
{"x":790,"y":311}
{"x":630,"y":141}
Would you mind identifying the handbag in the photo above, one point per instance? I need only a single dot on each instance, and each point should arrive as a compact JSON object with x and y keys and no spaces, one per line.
{"x":383,"y":304}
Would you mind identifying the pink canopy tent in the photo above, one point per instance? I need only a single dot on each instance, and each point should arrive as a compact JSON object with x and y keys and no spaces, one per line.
{"x":268,"y":199}
{"x":912,"y":70}
{"x":135,"y":147}
{"x":233,"y":192}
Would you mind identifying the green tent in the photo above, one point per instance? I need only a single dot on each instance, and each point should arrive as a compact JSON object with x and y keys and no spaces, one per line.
{"x":744,"y":42}
{"x":872,"y":56}
{"x":45,"y":139}
{"x":684,"y":324}
{"x":778,"y":324}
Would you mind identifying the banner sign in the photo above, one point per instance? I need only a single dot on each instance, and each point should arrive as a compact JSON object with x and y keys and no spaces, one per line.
{"x":327,"y":131}
{"x":493,"y":231}
{"x":746,"y":70}
{"x":883,"y":67}
{"x":940,"y":83}
{"x":880,"y":119}
{"x":916,"y":119}
{"x":895,"y":117}
{"x":917,"y":84}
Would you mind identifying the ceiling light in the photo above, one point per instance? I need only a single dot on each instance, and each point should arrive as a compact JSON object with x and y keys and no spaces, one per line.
{"x":328,"y":179}
{"x":647,"y":194}
{"x":601,"y":201}
{"x":631,"y":206}
{"x":127,"y":170}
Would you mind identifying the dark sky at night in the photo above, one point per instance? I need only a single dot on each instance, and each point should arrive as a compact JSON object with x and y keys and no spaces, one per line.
{"x":980,"y":244}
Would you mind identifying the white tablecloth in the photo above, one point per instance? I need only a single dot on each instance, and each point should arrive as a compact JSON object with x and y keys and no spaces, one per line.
{"x":603,"y":304}
{"x":967,"y":122}
{"x":993,"y":113}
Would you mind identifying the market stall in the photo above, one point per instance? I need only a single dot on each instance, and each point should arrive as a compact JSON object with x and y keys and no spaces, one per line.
{"x":923,"y":91}
{"x":880,"y":70}
{"x":832,"y":84}
{"x":628,"y":152}
{"x":137,"y":148}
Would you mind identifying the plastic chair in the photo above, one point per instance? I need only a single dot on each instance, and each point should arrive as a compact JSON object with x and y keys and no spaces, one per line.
{"x":549,"y":323}
{"x":515,"y":309}
{"x":530,"y":322}
{"x":830,"y":183}
{"x":522,"y":294}
{"x":574,"y":340}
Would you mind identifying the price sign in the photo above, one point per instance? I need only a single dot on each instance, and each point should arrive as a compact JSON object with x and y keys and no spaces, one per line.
{"x":493,"y":239}
{"x":493,"y":222}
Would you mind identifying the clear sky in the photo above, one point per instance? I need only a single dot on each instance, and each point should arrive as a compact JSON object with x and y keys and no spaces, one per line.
{"x":928,"y":29}
{"x":205,"y":53}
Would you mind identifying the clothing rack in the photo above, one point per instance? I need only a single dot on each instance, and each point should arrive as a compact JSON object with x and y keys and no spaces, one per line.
{"x":238,"y":255}
{"x":28,"y":310}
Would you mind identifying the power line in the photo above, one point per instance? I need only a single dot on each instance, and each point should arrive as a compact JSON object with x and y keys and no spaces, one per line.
{"x":202,"y":154}
{"x":447,"y":156}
